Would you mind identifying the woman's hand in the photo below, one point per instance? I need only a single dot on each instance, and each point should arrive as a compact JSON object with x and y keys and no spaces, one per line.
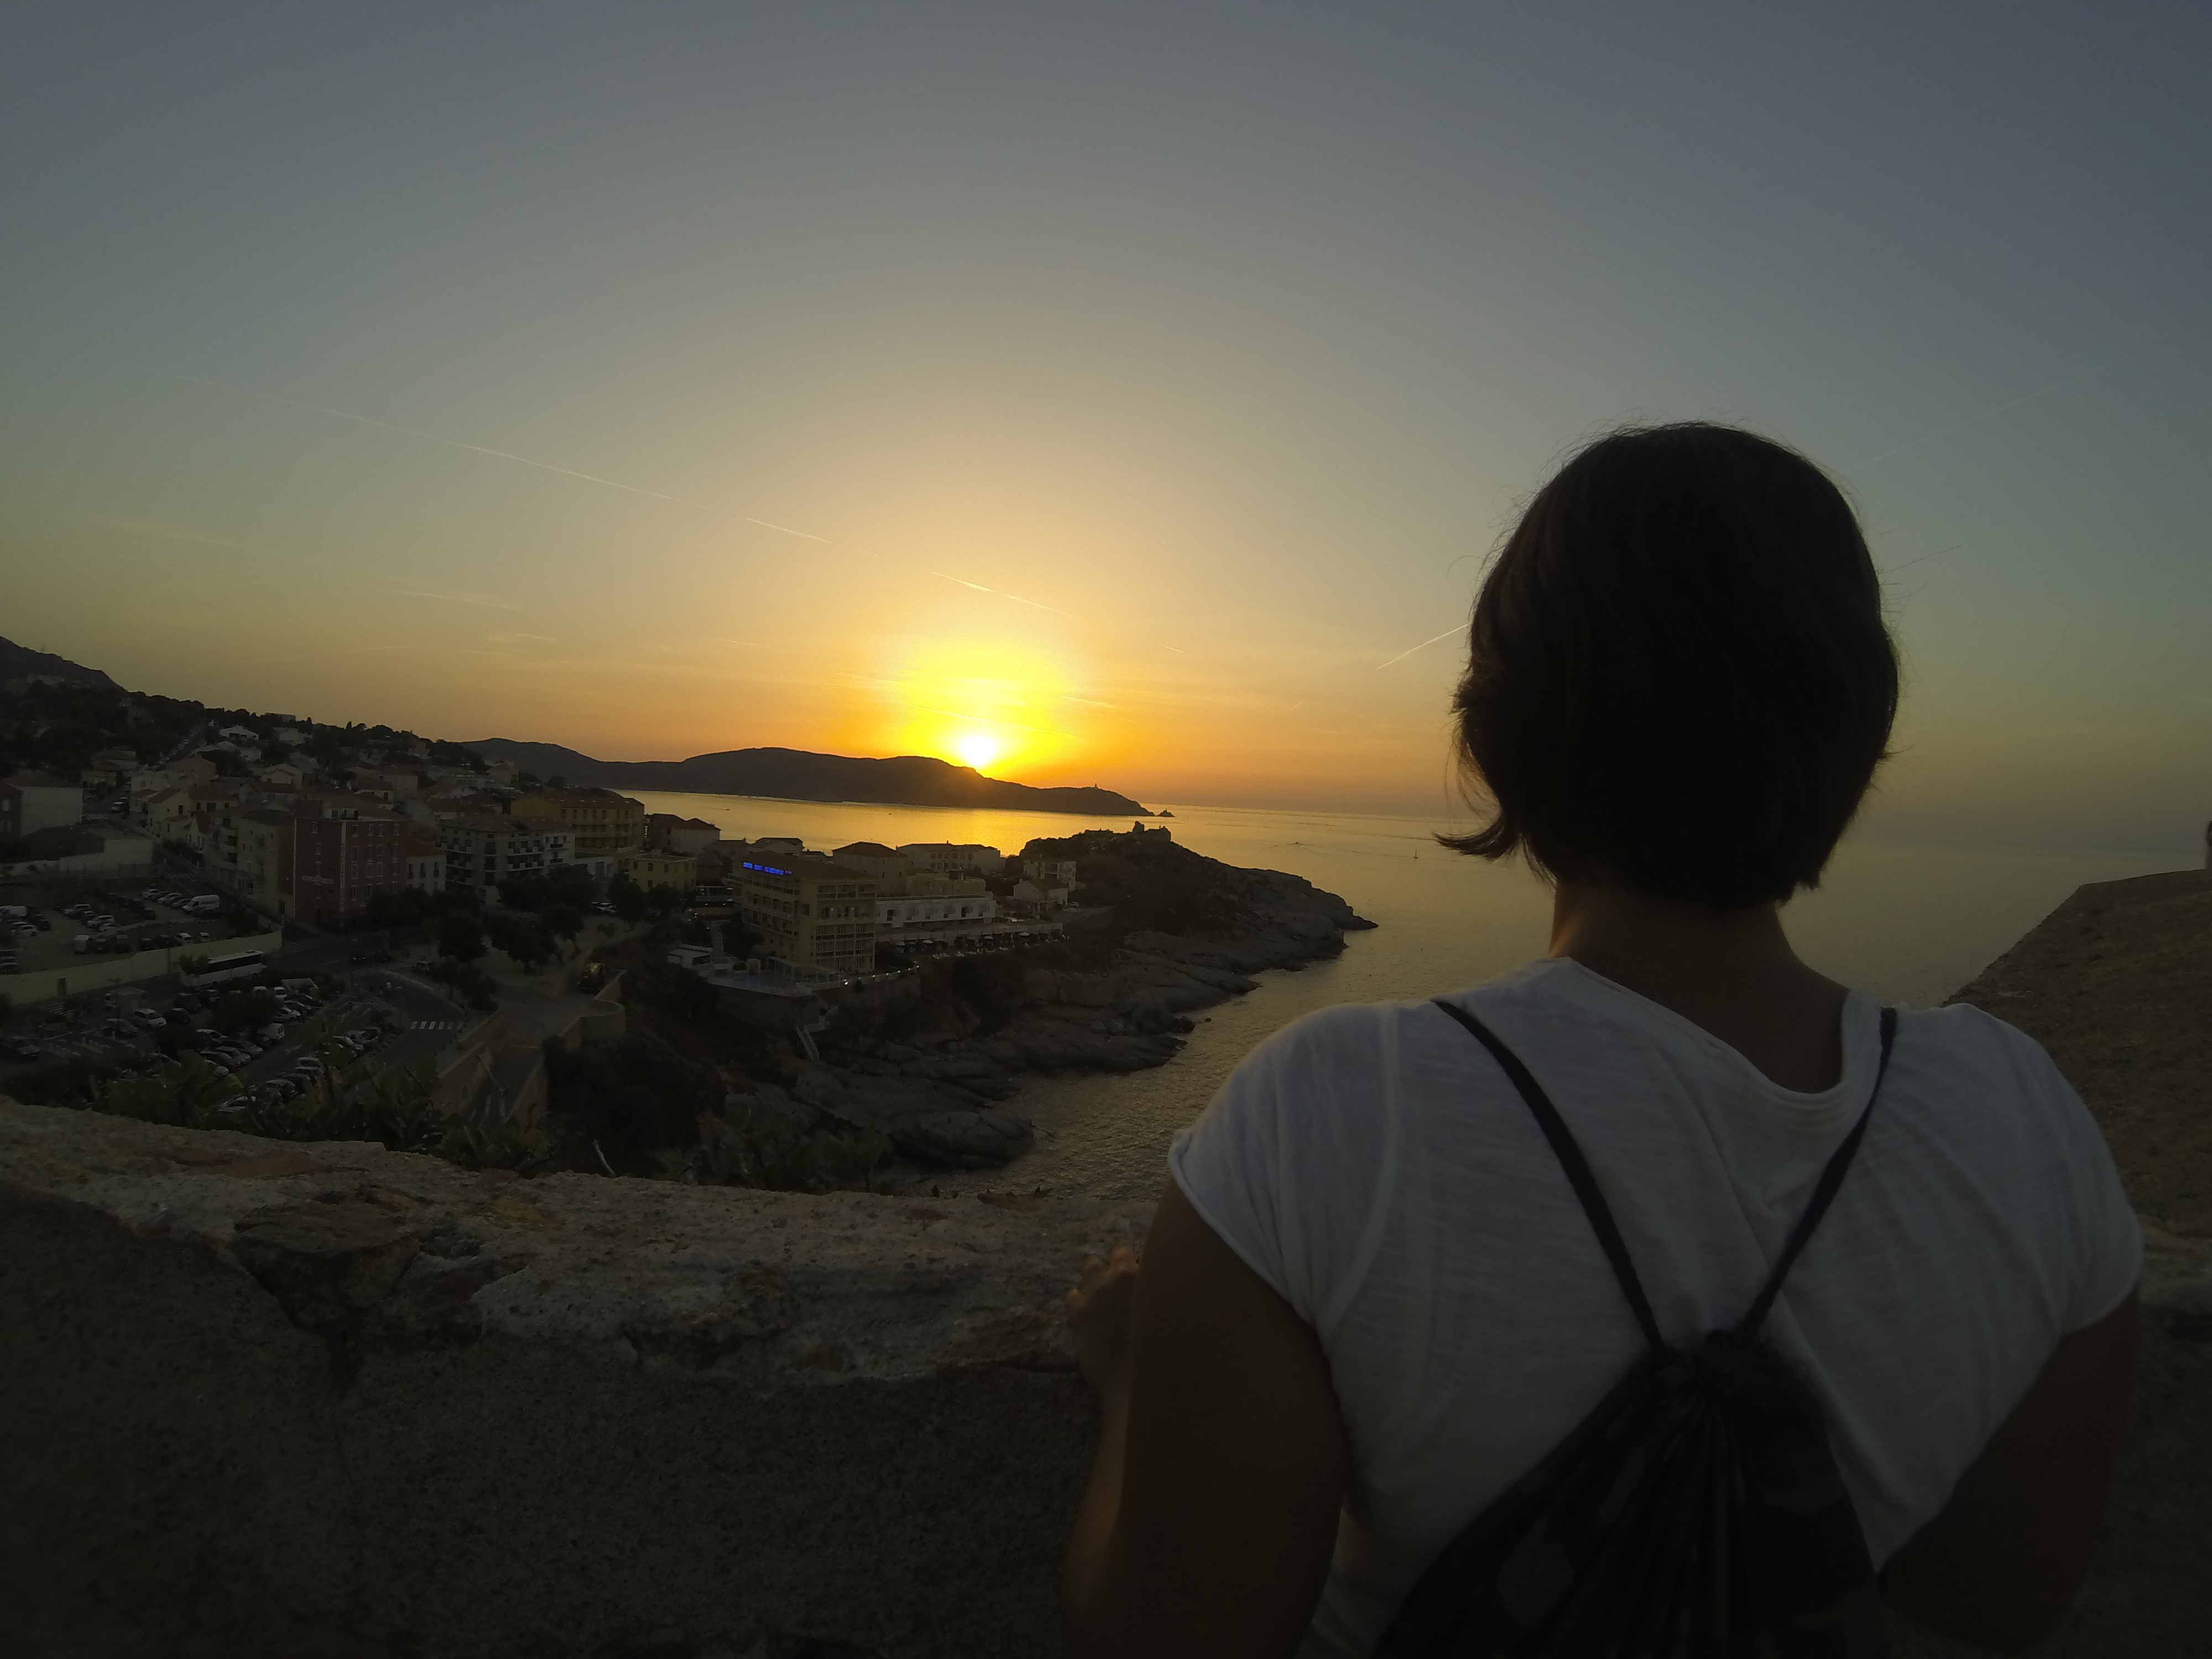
{"x":1100,"y":1311}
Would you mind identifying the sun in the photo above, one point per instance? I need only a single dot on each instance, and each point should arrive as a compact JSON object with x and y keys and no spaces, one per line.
{"x":981,"y":702}
{"x":977,"y":748}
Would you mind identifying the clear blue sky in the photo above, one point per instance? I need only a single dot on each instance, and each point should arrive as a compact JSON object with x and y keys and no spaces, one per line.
{"x":1142,"y":377}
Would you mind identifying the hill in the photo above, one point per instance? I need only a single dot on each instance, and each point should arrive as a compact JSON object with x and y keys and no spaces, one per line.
{"x":20,"y":662}
{"x":799,"y":774}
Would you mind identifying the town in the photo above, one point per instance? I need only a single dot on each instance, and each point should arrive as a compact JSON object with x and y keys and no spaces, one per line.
{"x":328,"y":828}
{"x":221,"y":918}
{"x":315,"y":932}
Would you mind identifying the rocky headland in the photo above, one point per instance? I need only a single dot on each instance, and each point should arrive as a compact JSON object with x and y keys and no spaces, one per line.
{"x":1161,"y":933}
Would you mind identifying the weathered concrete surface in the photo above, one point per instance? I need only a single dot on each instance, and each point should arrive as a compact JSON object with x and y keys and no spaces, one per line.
{"x":2117,"y":983}
{"x":333,"y":1400}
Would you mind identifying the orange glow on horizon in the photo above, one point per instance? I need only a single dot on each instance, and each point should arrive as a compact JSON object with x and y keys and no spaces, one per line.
{"x":982,"y":702}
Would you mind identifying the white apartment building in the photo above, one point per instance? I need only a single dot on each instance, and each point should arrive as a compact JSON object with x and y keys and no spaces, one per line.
{"x":946,"y":858}
{"x":482,"y":849}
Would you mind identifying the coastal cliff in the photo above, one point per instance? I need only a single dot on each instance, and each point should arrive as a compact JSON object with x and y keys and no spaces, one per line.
{"x":266,"y":1401}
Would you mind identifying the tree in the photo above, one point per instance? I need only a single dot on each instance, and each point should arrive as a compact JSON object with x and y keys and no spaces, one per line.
{"x":570,"y":884}
{"x":522,"y":938}
{"x":460,"y":939}
{"x":564,"y":921}
{"x":627,"y":896}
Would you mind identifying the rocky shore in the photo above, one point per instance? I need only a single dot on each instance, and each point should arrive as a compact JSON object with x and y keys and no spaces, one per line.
{"x":1163,"y":931}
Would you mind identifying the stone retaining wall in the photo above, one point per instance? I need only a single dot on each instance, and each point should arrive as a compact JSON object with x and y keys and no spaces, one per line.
{"x":285,"y":1400}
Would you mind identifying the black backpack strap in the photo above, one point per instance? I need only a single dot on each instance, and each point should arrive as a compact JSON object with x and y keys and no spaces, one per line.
{"x":1824,"y":1193}
{"x":1575,"y":1164}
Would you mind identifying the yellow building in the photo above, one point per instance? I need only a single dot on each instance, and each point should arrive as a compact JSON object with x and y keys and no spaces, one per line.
{"x":249,"y":849}
{"x":599,"y":821}
{"x":653,"y":869}
{"x":810,"y":913}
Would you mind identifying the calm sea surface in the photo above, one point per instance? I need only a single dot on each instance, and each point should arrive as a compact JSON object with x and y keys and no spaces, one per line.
{"x":1911,"y":923}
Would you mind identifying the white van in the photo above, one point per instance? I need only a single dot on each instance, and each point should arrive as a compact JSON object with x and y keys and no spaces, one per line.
{"x":201,"y":904}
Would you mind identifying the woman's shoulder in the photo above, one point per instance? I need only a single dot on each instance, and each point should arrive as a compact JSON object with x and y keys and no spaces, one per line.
{"x":1968,"y":1046}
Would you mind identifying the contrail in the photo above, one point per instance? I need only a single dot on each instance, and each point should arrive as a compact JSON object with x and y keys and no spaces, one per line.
{"x":488,"y":599}
{"x":548,"y":466}
{"x":432,"y":437}
{"x":785,"y":529}
{"x":1001,"y":592}
{"x":1423,"y":646}
{"x":1976,"y":420}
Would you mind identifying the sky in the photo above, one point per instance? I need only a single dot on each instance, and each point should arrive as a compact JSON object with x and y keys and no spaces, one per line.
{"x":1128,"y":395}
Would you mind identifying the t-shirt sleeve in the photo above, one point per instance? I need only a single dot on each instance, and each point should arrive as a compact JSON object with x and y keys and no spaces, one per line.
{"x":1282,"y":1163}
{"x":2105,"y":1238}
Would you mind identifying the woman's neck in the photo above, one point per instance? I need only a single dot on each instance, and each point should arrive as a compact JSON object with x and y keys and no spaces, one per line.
{"x":1730,"y":972}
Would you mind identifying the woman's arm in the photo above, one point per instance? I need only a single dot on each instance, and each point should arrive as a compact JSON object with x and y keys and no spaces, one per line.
{"x":2001,"y":1562}
{"x":1212,"y":1511}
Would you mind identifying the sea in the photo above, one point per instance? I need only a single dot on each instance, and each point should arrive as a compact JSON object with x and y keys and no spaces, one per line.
{"x":1911,"y":923}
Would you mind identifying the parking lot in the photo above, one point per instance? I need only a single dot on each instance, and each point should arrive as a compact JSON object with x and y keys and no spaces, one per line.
{"x":52,"y":924}
{"x":251,"y":1032}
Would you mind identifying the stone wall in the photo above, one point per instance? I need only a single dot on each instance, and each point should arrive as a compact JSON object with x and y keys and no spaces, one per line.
{"x":284,"y":1400}
{"x":268,"y":1400}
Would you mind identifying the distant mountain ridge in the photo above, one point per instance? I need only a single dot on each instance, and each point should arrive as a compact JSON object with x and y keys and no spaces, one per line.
{"x":800,"y":775}
{"x":20,"y":662}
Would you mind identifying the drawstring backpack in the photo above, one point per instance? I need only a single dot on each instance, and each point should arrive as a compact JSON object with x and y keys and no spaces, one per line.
{"x":1697,"y":1513}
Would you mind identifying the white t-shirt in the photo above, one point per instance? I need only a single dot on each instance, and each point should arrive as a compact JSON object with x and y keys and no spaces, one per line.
{"x":1376,"y":1167}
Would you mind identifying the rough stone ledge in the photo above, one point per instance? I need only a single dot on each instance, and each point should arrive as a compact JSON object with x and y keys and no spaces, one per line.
{"x":763,"y":1289}
{"x":266,"y":1399}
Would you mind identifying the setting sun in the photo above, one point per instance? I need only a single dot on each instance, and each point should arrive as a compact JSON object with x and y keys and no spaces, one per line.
{"x":976,"y":749}
{"x":981,"y":702}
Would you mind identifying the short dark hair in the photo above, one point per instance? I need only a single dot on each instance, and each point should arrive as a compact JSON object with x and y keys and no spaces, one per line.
{"x":1678,"y":676}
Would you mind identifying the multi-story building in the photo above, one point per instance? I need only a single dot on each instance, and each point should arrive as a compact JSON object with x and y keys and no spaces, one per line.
{"x":664,"y":832}
{"x":809,"y":912}
{"x":553,"y":836}
{"x":933,"y":912}
{"x":945,"y":858}
{"x":599,"y":821}
{"x":483,"y":849}
{"x":343,"y":858}
{"x":425,"y":860}
{"x":248,"y":848}
{"x":887,"y":868}
{"x":651,"y":869}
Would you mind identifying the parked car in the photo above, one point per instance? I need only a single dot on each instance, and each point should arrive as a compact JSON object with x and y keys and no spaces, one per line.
{"x":20,"y":1048}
